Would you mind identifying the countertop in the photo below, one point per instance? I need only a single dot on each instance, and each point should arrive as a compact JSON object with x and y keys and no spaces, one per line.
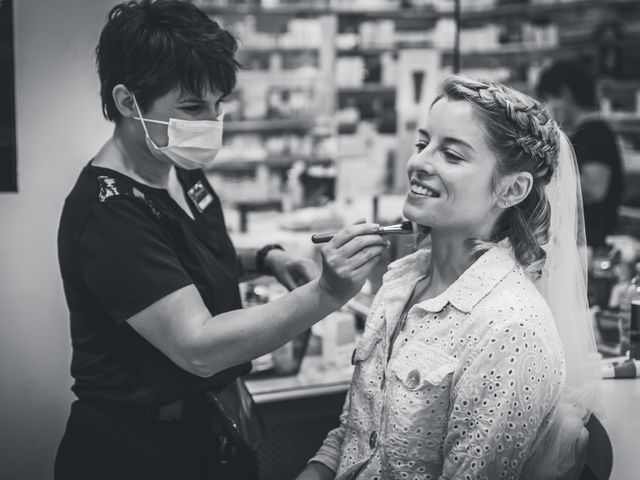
{"x":621,"y":419}
{"x":312,"y":380}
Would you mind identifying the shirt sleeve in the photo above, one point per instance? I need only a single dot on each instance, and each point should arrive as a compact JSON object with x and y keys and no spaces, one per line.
{"x":595,"y":144}
{"x":127,"y":260}
{"x":498,"y":405}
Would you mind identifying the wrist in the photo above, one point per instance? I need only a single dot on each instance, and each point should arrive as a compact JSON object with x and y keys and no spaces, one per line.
{"x":318,"y":471}
{"x":272,"y":258}
{"x":264,"y":258}
{"x":330,"y":296}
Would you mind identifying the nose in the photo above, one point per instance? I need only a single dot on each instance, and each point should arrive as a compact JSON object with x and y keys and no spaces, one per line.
{"x":422,"y":162}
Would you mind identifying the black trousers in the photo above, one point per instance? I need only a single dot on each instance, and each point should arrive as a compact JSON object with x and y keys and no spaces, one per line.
{"x":102,"y":442}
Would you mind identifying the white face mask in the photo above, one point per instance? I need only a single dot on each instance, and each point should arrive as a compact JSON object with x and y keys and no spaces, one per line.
{"x":192,"y":144}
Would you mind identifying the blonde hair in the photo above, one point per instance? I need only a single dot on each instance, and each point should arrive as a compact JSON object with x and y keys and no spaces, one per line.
{"x":524,"y":138}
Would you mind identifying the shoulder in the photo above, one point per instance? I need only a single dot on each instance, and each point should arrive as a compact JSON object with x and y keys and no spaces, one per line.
{"x":516,"y":307}
{"x":594,"y":126}
{"x":593,"y":133}
{"x":112,"y":190}
{"x":103,"y":200}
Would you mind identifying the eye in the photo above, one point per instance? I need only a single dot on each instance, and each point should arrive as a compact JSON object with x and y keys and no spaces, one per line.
{"x":421,"y":145}
{"x":192,"y":108}
{"x":452,"y":156}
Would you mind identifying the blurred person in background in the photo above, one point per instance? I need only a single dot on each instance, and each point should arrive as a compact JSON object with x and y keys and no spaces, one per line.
{"x":569,"y":90}
{"x":478,"y":358}
{"x":151,"y":276}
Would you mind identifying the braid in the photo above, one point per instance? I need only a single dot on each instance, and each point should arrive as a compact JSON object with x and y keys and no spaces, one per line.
{"x":525,"y":138}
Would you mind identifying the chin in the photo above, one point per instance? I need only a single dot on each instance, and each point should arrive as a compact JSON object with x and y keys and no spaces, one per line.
{"x":413,"y":213}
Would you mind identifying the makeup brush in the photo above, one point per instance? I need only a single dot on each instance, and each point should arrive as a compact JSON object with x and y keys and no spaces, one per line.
{"x":397,"y":229}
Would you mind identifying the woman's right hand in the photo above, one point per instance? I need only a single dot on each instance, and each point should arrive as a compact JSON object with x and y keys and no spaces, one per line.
{"x":348,"y":258}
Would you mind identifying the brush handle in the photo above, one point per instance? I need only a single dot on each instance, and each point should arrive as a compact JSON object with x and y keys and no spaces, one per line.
{"x":325,"y":237}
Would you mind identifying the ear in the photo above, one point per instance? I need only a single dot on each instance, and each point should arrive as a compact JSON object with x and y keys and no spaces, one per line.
{"x":123,"y":100}
{"x":516,"y":187}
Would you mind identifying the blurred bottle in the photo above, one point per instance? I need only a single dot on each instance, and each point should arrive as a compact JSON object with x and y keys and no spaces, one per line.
{"x":602,"y":277}
{"x":338,"y":334}
{"x":629,"y":296}
{"x":624,"y":272}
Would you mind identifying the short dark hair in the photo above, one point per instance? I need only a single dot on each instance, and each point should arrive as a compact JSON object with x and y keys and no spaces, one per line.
{"x":152,"y":47}
{"x":573,"y":75}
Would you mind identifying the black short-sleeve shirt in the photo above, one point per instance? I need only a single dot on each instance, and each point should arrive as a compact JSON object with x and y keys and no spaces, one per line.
{"x":122,"y":246}
{"x":594,"y":141}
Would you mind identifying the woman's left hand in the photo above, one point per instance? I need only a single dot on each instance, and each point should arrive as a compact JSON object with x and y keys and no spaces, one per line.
{"x":290,"y":271}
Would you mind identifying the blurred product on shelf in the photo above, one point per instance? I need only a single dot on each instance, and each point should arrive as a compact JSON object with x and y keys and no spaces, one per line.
{"x":313,"y":219}
{"x":628,"y":368}
{"x":338,"y":335}
{"x":602,"y":276}
{"x":629,"y":304}
{"x":614,"y":295}
{"x":285,"y":360}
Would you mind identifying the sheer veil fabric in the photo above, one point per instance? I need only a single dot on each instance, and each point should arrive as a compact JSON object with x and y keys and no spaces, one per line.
{"x":563,"y":283}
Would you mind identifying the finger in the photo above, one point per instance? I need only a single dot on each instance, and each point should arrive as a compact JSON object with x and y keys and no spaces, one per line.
{"x":346,"y":234}
{"x":364,"y":256}
{"x":362,"y":242}
{"x":365,"y":269}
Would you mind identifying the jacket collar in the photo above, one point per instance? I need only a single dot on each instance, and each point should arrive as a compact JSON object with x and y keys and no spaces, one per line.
{"x":465,"y":293}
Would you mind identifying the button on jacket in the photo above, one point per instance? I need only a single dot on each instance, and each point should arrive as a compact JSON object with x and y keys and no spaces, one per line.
{"x":473,"y":379}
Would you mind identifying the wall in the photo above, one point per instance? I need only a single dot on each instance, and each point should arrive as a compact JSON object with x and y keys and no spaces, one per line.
{"x":59,"y":126}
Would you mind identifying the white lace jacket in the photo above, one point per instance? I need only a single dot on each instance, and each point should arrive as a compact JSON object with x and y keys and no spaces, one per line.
{"x":473,"y":376}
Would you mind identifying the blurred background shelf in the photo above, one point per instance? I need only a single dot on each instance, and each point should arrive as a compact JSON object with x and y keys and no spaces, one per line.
{"x":273,"y":126}
{"x":276,"y":161}
{"x":513,"y":10}
{"x":337,"y":81}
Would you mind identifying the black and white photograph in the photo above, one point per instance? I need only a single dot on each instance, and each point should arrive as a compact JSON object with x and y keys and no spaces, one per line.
{"x":320,"y":239}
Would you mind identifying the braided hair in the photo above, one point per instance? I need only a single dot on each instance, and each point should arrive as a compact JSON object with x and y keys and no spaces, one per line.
{"x":524,"y":138}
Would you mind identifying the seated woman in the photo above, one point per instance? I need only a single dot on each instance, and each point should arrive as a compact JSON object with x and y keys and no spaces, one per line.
{"x":460,"y":370}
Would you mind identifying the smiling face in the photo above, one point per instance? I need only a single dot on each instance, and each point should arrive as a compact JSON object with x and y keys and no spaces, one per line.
{"x":451,"y":173}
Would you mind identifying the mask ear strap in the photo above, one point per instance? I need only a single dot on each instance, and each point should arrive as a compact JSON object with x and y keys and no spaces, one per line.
{"x":139,"y":117}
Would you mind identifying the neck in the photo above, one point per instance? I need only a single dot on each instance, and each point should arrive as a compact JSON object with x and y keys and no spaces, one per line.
{"x":134,"y":159}
{"x":449,"y":259}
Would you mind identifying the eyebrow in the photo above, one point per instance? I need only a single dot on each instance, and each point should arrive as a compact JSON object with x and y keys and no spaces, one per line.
{"x":448,"y":139}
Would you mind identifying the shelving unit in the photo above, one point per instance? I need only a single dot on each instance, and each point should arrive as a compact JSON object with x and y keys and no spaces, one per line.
{"x":372,"y":71}
{"x":272,"y":126}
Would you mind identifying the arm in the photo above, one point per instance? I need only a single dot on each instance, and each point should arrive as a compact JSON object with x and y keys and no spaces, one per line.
{"x":130,"y":266}
{"x":316,"y":471}
{"x":289,"y":270}
{"x":181,"y":327}
{"x":499,"y":403}
{"x":324,"y":465}
{"x":594,"y":180}
{"x":597,"y":153}
{"x":247,"y":259}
